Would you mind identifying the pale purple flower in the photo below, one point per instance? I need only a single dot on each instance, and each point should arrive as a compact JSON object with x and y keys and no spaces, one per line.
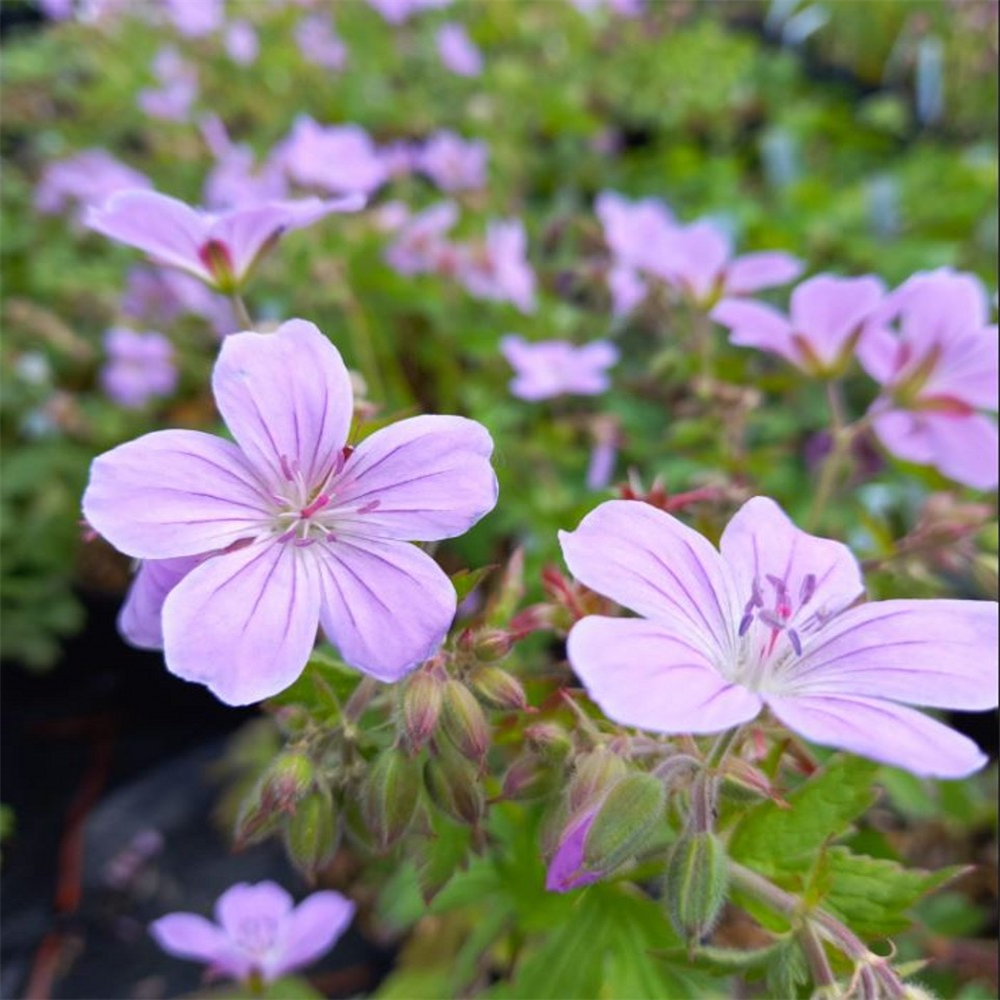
{"x":236,"y":179}
{"x":339,"y":159}
{"x":140,"y":620}
{"x":566,"y":870}
{"x":498,"y":269}
{"x":551,"y":368}
{"x":298,"y":530}
{"x":937,"y":372}
{"x":220,"y":248}
{"x":160,"y":295}
{"x":627,"y":290}
{"x":452,"y":163}
{"x":420,"y":241}
{"x":458,"y":53}
{"x":827,"y":318}
{"x":196,"y":18}
{"x":771,"y":619}
{"x":398,"y":11}
{"x":698,"y":261}
{"x":319,"y":43}
{"x":56,"y":10}
{"x":139,"y":367}
{"x":177,"y":91}
{"x":635,"y":230}
{"x":86,"y":178}
{"x":399,"y":158}
{"x":242,"y":44}
{"x":258,"y":931}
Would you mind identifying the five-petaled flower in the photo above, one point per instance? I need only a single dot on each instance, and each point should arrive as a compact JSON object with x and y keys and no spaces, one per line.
{"x":937,"y":373}
{"x":258,"y":932}
{"x":772,"y":619}
{"x":220,"y":248}
{"x":296,"y":529}
{"x":551,"y":368}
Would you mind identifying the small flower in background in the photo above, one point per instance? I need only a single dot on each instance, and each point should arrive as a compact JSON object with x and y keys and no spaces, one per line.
{"x":634,"y":230}
{"x":627,"y":290}
{"x":698,"y":261}
{"x":159,"y":296}
{"x":299,"y":530}
{"x":339,"y":159}
{"x":452,"y":163}
{"x":772,"y":619}
{"x":220,"y":248}
{"x":178,"y":89}
{"x":86,"y":178}
{"x":196,"y":18}
{"x":258,"y":932}
{"x":498,"y":269}
{"x":457,"y":51}
{"x":420,"y":241}
{"x":938,"y":370}
{"x":139,"y":367}
{"x":398,"y":11}
{"x":566,"y":869}
{"x":607,"y":439}
{"x":242,"y":44}
{"x":319,"y":43}
{"x":551,"y":368}
{"x":827,"y":318}
{"x":624,"y":8}
{"x":399,"y":158}
{"x":236,"y":180}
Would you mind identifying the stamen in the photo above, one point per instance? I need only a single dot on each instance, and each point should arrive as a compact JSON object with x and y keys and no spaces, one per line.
{"x":369,"y":507}
{"x":770,"y":618}
{"x":808,"y":588}
{"x":745,"y":622}
{"x":318,"y":504}
{"x":301,"y":543}
{"x":793,"y":638}
{"x":288,"y":468}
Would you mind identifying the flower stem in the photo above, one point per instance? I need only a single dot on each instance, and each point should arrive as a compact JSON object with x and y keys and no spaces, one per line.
{"x":819,"y":964}
{"x":841,"y":435}
{"x":242,"y":313}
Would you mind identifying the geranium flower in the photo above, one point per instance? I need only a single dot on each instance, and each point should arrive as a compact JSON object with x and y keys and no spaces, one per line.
{"x":828,"y":316}
{"x":457,"y":51}
{"x":937,"y":373}
{"x":771,"y":619}
{"x":87,"y":178}
{"x":299,"y":531}
{"x":139,"y":366}
{"x":550,"y":368}
{"x":452,"y":163}
{"x":258,"y":932}
{"x":498,"y":269}
{"x":220,"y":248}
{"x":420,"y":241}
{"x":339,"y":159}
{"x":318,"y":42}
{"x":566,"y":870}
{"x":634,"y":230}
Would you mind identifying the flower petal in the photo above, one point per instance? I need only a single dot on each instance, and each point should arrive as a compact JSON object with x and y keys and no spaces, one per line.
{"x":936,"y":653}
{"x":827,"y":311}
{"x":188,"y":935}
{"x":761,"y":541}
{"x":139,"y":620}
{"x":312,"y":929}
{"x":766,"y":269}
{"x":965,"y":449}
{"x":643,"y":675}
{"x":165,"y":228}
{"x":244,"y":623}
{"x":892,"y":734}
{"x":650,"y":562}
{"x":246,"y":901}
{"x":424,"y":479}
{"x":286,"y":397}
{"x":753,"y":324}
{"x":387,"y":606}
{"x":173,"y":493}
{"x":565,"y":870}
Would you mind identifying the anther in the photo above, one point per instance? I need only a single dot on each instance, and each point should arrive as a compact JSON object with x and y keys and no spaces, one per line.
{"x":808,"y":588}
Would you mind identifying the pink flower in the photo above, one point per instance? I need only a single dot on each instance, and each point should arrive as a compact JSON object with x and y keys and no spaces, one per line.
{"x":698,"y":261}
{"x":634,"y":231}
{"x":452,"y":163}
{"x":937,"y":371}
{"x":140,"y":366}
{"x":556,"y":367}
{"x":86,"y":178}
{"x":220,"y":248}
{"x":319,"y":42}
{"x":418,"y":246}
{"x":828,"y":316}
{"x":258,"y":931}
{"x":299,"y":531}
{"x":458,"y":53}
{"x":178,"y":88}
{"x":772,"y":619}
{"x":498,"y":270}
{"x":235,"y":180}
{"x":339,"y":159}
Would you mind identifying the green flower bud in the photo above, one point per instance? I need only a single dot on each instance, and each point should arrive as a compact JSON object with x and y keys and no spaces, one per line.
{"x":391,"y":796}
{"x":526,"y":778}
{"x":422,"y":700}
{"x":498,"y":688}
{"x":464,"y":722}
{"x":454,"y":787}
{"x":312,"y":833}
{"x":491,"y":644}
{"x":278,"y":790}
{"x":697,"y":883}
{"x":549,"y":739}
{"x":630,"y":812}
{"x":594,"y":774}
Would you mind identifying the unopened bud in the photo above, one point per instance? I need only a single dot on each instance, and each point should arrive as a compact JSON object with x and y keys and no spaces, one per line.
{"x":464,"y":722}
{"x":696,"y":885}
{"x":549,"y":739}
{"x":498,"y":688}
{"x":286,"y":781}
{"x":253,"y":822}
{"x":594,"y":774}
{"x":311,"y":833}
{"x":525,"y":778}
{"x":491,"y":644}
{"x":391,"y":796}
{"x":630,"y":812}
{"x":454,"y":787}
{"x":422,"y":700}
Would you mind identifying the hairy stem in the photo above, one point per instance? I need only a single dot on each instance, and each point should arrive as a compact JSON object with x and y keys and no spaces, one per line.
{"x":242,"y":313}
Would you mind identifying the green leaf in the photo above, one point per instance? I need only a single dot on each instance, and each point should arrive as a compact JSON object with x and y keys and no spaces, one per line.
{"x":786,"y":970}
{"x":466,"y":580}
{"x":871,"y":895}
{"x":770,"y":838}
